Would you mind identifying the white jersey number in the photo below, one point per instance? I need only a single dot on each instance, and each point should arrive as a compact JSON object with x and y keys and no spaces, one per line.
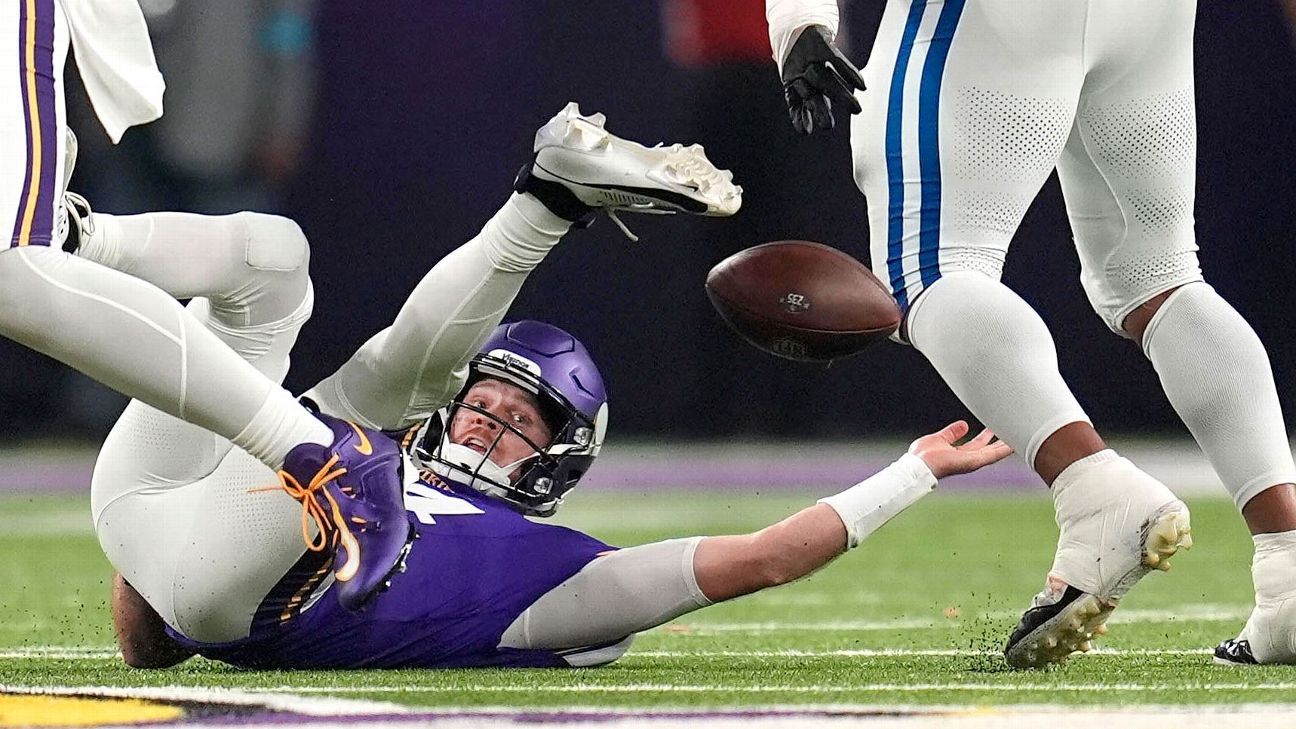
{"x":426,"y":502}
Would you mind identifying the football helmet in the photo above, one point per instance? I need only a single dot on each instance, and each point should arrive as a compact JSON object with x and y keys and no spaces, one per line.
{"x":553,"y":366}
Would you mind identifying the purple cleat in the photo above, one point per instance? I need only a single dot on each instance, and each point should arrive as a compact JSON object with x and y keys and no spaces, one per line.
{"x":353,"y":489}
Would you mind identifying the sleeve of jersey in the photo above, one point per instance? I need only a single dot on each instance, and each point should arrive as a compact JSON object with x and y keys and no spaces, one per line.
{"x":115,"y":58}
{"x":787,"y":18}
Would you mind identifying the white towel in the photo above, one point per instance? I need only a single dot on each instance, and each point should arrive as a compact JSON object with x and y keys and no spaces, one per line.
{"x":115,"y":57}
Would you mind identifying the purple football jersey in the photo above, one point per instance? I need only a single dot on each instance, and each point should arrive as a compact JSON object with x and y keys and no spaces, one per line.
{"x":476,"y":566}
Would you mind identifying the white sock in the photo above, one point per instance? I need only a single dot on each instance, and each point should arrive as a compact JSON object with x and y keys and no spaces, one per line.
{"x":1216,"y":373}
{"x":521,"y":234}
{"x":869,"y":504}
{"x":1273,"y":568}
{"x":997,"y":355}
{"x":277,"y":428}
{"x":1102,"y":502}
{"x":1271,"y":629}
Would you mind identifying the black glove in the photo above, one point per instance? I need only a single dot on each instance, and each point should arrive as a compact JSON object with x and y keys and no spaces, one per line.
{"x":815,"y":75}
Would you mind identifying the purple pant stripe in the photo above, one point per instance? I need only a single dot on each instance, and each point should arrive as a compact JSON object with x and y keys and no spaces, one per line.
{"x":41,"y":120}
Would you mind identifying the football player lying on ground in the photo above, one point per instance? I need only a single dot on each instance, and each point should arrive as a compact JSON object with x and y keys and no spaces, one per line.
{"x":496,"y":423}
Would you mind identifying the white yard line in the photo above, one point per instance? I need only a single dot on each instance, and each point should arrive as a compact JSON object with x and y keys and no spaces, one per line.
{"x":898,"y":653}
{"x":1185,"y":613}
{"x":63,"y":653}
{"x":71,"y":654}
{"x":785,"y":688}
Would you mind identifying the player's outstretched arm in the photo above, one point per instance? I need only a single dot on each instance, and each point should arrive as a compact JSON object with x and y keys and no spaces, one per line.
{"x":730,"y":566}
{"x":141,"y":634}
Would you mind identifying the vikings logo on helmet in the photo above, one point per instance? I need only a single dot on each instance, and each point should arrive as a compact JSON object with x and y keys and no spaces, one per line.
{"x":552,"y":365}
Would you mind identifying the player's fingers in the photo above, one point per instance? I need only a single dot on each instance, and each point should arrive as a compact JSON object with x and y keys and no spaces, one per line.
{"x":839,"y":90}
{"x":821,"y":109}
{"x":979,"y":441}
{"x":954,"y":432}
{"x":847,"y":71}
{"x":995,"y":452}
{"x":798,"y":93}
{"x":804,"y":122}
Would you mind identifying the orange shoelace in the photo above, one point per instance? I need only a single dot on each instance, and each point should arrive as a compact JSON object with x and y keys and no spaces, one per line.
{"x":312,"y":509}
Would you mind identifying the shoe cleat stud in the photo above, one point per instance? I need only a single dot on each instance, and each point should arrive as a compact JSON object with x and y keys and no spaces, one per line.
{"x":1164,"y":565}
{"x":1101,"y":629}
{"x":1084,"y":647}
{"x":1050,"y":642}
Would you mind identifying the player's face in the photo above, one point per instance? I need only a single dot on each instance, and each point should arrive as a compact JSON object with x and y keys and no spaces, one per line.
{"x":509,"y":403}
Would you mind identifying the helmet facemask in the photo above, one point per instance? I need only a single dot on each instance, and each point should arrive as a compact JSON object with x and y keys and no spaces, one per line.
{"x":536,"y":481}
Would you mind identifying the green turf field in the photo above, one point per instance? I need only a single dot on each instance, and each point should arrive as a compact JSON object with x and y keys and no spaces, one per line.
{"x":914,"y":616}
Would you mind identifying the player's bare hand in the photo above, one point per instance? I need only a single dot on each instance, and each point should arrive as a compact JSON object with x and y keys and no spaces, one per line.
{"x":941,"y":454}
{"x":817,"y":77}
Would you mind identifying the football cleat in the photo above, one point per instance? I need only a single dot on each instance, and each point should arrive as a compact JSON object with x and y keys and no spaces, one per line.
{"x":1269,"y":636}
{"x":605,"y":172}
{"x":1235,"y":652}
{"x":353,"y":490}
{"x":74,"y":220}
{"x":1116,"y":527}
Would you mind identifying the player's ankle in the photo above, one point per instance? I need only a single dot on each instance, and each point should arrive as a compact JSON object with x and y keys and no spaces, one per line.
{"x":1066,"y":446}
{"x":553,"y":195}
{"x":1272,"y":511}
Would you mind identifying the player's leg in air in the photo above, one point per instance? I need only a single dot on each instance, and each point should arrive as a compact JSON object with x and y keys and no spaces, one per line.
{"x":409,"y":370}
{"x":402,"y":375}
{"x":1129,"y":176}
{"x":126,"y":332}
{"x":968,"y":108}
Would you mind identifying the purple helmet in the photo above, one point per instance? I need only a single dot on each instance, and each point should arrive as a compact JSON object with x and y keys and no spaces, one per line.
{"x":551,"y":365}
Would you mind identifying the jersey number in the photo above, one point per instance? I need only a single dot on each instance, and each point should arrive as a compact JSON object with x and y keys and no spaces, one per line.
{"x":426,"y":501}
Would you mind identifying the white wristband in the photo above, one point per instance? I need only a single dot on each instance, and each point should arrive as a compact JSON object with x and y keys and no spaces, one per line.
{"x":868,"y":505}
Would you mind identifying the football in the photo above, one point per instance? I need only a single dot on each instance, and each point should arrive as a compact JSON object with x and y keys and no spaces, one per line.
{"x":803,"y":301}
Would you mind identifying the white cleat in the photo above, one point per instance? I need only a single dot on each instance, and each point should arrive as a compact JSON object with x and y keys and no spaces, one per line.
{"x":605,"y":171}
{"x":1269,"y":637}
{"x":1117,"y":525}
{"x":74,"y":220}
{"x":1270,"y":633}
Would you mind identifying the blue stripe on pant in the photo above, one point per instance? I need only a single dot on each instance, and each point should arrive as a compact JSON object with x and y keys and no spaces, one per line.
{"x":895,"y":156}
{"x":928,"y":150}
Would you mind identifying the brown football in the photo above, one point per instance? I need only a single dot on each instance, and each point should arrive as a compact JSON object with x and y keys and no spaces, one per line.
{"x":801,"y":300}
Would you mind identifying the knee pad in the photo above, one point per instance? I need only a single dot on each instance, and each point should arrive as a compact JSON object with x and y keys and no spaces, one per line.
{"x":986,"y":261}
{"x":274,"y":243}
{"x":1128,"y":281}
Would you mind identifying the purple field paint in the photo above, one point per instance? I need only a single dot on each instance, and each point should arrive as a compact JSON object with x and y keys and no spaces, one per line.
{"x":787,"y":468}
{"x":653,"y":467}
{"x":627,"y":470}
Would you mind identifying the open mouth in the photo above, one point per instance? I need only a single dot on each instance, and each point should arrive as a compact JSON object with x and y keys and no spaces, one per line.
{"x":476,"y":444}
